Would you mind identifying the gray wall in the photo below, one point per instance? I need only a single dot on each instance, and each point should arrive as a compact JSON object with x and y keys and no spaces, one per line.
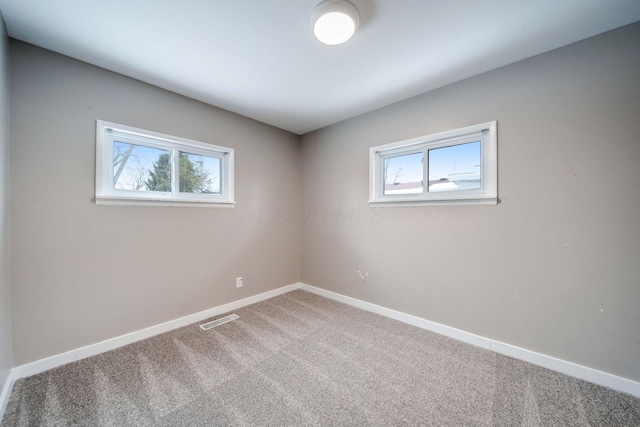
{"x":84,"y":273}
{"x":5,"y":242}
{"x":555,"y":266}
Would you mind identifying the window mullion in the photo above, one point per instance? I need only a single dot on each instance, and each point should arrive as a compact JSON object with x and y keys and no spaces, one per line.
{"x":483,"y":165}
{"x":425,"y":170}
{"x":175,"y":173}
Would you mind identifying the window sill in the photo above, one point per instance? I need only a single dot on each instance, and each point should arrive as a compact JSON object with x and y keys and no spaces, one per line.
{"x":122,"y":201}
{"x":452,"y":202}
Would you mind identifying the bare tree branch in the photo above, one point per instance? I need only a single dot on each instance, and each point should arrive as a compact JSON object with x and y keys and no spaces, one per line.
{"x":120,"y":160}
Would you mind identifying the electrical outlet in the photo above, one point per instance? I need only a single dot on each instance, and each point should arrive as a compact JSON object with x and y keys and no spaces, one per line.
{"x":239,"y":282}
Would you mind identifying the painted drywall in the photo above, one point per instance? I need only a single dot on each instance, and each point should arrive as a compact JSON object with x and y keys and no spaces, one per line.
{"x":84,"y":273}
{"x":554,"y":266}
{"x":5,"y":241}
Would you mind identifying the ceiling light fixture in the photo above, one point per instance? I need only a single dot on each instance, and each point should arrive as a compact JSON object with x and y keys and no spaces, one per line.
{"x":334,"y":21}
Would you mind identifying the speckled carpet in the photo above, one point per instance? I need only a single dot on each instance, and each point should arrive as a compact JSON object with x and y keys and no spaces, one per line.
{"x":300,"y":359}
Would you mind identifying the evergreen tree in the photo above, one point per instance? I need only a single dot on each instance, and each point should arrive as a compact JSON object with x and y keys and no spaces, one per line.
{"x":194,"y":178}
{"x":160,"y":176}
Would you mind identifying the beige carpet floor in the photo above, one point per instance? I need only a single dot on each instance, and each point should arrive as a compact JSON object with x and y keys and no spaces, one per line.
{"x":303,"y":360}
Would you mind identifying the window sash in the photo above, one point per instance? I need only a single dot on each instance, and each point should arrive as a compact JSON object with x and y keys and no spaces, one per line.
{"x":221,"y":173}
{"x":392,"y":155}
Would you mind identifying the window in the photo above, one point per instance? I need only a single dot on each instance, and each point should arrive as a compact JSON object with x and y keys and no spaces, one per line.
{"x":454,"y":167}
{"x":135,"y":166}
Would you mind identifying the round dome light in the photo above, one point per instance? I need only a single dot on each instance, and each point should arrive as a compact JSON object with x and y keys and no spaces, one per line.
{"x":334,"y":21}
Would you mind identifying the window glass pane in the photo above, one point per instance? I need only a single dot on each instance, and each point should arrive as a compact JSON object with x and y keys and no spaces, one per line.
{"x":140,"y":168}
{"x":199,"y":174}
{"x":456,"y":167}
{"x":403,"y":174}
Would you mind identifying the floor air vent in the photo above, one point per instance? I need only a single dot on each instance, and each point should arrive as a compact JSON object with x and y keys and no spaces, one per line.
{"x":218,"y":322}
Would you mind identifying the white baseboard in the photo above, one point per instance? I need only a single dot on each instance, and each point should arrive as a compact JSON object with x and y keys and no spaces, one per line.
{"x":42,"y":365}
{"x":6,"y":392}
{"x":569,"y":368}
{"x":578,"y":371}
{"x":403,"y":317}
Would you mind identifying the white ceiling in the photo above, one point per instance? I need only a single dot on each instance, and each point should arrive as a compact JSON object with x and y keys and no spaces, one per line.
{"x":258,"y":58}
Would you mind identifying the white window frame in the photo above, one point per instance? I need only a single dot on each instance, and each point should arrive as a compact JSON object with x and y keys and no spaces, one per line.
{"x":107,"y":194}
{"x":487,"y":133}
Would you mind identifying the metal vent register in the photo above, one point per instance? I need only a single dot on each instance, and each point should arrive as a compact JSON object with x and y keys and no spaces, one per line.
{"x":218,"y":322}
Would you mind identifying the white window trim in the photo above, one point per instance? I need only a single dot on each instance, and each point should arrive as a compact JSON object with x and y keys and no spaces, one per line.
{"x":106,"y":194}
{"x":487,"y":195}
